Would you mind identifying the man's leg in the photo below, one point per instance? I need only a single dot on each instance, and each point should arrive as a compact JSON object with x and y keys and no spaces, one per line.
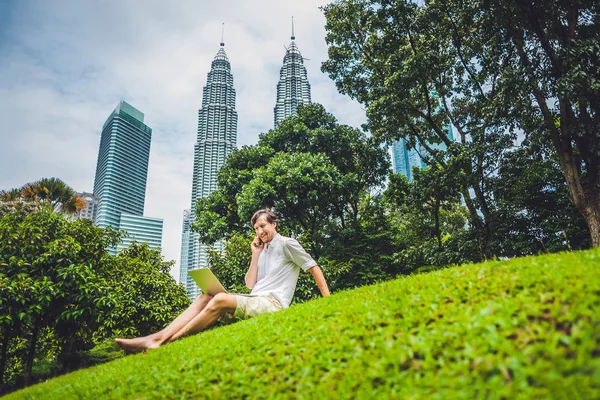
{"x":156,"y":339}
{"x":220,"y":304}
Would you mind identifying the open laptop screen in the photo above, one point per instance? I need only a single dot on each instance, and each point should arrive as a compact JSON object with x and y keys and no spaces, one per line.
{"x":207,"y":281}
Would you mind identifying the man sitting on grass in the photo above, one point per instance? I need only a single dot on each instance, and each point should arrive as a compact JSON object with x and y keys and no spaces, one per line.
{"x":272,"y":276}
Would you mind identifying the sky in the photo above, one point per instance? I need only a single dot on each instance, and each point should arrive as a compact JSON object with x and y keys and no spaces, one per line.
{"x":65,"y":65}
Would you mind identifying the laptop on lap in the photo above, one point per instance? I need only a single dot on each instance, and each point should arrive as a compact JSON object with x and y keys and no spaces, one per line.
{"x":207,"y":281}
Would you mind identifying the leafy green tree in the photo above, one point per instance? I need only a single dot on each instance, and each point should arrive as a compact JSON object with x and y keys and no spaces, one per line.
{"x":409,"y":65}
{"x":534,"y":211}
{"x":430,"y":221}
{"x":363,"y":252}
{"x":47,"y":282}
{"x":146,"y":297}
{"x":552,"y":78}
{"x":61,"y":292}
{"x":311,"y":170}
{"x":486,"y":68}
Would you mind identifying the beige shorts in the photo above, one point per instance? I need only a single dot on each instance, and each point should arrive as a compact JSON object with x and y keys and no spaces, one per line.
{"x":251,"y":306}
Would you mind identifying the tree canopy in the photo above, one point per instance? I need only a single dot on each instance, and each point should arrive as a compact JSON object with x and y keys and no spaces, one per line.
{"x":61,"y":293}
{"x":491,"y":70}
{"x":312,"y":171}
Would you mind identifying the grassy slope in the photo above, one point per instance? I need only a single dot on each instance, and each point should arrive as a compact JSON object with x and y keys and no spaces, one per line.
{"x":521,"y":328}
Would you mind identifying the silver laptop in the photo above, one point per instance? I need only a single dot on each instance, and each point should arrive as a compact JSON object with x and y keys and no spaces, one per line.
{"x":207,"y":281}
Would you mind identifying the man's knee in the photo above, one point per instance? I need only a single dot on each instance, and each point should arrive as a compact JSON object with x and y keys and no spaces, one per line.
{"x":221,"y":301}
{"x":202,"y":300}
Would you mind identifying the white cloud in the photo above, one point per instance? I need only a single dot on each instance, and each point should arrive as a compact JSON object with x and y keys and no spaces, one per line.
{"x":64,"y":66}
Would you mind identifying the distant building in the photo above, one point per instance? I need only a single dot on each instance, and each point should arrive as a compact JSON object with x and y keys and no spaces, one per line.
{"x":404,"y":159}
{"x":217,"y":136}
{"x":185,"y":243}
{"x":141,"y":230}
{"x":122,"y":168}
{"x":121,"y":175}
{"x":293,"y":88}
{"x":90,"y":211}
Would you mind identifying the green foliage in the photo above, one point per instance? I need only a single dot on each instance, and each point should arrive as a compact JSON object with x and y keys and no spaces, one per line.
{"x":524,"y":328}
{"x":430,"y":221}
{"x":47,"y":282}
{"x":146,"y":296}
{"x":61,"y":292}
{"x":487,"y":68}
{"x":535,"y":213}
{"x":105,"y":351}
{"x":311,"y":170}
{"x":416,"y":73}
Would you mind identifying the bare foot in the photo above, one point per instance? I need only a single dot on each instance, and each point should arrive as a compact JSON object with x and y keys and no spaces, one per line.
{"x":138,"y":345}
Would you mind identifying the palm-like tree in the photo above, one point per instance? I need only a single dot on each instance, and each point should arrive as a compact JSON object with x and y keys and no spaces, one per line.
{"x":10,"y":195}
{"x":51,"y":192}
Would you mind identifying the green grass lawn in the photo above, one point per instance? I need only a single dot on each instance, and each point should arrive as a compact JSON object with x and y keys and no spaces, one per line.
{"x":524,"y":328}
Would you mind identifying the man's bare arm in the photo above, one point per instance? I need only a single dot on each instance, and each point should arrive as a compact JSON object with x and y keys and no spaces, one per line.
{"x":320,"y":280}
{"x":252,"y":274}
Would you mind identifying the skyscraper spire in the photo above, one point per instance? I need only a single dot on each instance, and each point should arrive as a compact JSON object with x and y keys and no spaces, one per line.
{"x":293,"y":88}
{"x":217,"y":136}
{"x":222,"y":35}
{"x":293,"y":36}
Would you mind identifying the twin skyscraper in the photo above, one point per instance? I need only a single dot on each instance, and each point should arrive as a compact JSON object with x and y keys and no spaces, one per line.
{"x":217,"y":135}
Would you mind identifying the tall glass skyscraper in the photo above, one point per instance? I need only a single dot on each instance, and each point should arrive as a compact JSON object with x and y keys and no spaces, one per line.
{"x":185,"y":244}
{"x":293,"y":88}
{"x":140,"y":229}
{"x":121,"y":174}
{"x":403,"y":159}
{"x":217,"y":136}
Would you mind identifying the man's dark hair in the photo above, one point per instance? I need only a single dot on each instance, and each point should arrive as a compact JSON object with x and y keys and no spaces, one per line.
{"x":269,"y":215}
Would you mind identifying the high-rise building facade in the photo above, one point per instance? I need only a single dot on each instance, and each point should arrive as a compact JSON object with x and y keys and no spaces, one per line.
{"x":293,"y":88}
{"x":91,"y":209}
{"x":185,"y":244}
{"x":217,"y":136}
{"x":140,"y":229}
{"x":403,"y":159}
{"x":121,"y":175}
{"x":122,"y":168}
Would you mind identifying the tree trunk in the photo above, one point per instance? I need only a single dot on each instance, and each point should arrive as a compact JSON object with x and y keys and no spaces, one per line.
{"x":5,"y":341}
{"x":475,"y":220}
{"x":594,"y":224}
{"x":586,"y":201}
{"x":591,"y":212}
{"x":31,"y":353}
{"x":438,"y":233}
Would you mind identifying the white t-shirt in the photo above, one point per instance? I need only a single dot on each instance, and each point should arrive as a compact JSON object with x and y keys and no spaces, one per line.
{"x":279,"y":265}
